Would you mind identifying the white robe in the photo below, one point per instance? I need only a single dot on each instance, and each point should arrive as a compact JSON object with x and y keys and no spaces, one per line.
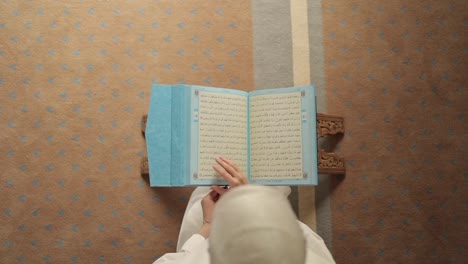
{"x":193,"y":248}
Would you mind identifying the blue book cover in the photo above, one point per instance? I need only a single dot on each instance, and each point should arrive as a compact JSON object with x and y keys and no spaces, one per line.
{"x":270,"y":134}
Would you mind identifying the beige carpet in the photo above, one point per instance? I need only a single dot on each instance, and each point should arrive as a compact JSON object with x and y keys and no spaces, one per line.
{"x":75,"y":80}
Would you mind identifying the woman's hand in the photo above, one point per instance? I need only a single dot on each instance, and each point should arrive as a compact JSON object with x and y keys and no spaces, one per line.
{"x":234,"y":176}
{"x":208,"y":204}
{"x":230,"y":172}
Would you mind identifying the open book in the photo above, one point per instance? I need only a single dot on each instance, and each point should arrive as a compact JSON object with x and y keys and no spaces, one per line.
{"x":270,"y":134}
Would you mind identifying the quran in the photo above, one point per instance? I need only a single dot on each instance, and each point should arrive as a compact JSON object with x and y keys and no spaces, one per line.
{"x":270,"y":134}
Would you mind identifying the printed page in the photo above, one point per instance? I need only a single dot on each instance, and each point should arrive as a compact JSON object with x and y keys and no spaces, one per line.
{"x":222,"y":131}
{"x":276,"y":136}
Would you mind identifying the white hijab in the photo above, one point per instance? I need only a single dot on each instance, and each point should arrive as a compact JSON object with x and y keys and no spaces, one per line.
{"x":255,"y":225}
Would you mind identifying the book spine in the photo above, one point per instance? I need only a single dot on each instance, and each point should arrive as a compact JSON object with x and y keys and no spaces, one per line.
{"x":179,"y":139}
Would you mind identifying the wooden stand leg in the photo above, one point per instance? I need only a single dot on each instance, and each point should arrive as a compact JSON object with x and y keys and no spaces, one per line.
{"x":329,"y":124}
{"x":144,"y":168}
{"x":330,"y":163}
{"x":143,"y":124}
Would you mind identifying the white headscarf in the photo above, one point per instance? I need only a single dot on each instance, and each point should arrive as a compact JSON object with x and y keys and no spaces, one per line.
{"x":255,"y":225}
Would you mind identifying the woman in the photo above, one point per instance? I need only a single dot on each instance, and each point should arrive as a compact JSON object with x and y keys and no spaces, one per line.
{"x":245,"y":224}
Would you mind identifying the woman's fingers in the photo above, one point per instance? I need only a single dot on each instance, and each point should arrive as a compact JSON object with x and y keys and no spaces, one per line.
{"x":228,"y":177}
{"x":227,"y":167}
{"x":214,"y":194}
{"x":230,"y":172}
{"x":243,"y":179}
{"x":219,"y":189}
{"x":232,"y":164}
{"x":239,"y":175}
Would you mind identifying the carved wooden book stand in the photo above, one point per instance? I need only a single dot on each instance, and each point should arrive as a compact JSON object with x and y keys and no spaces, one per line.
{"x":144,"y":167}
{"x":329,"y":163}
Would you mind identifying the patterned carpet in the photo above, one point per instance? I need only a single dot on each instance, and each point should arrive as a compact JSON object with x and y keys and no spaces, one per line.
{"x":396,"y":72}
{"x":75,"y":80}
